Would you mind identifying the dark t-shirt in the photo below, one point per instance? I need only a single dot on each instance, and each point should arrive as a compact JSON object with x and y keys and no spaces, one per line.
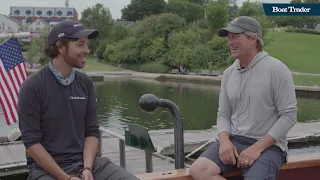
{"x":58,"y":117}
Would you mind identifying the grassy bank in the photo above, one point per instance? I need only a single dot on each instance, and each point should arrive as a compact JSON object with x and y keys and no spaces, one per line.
{"x":306,"y":80}
{"x":299,"y":51}
{"x":92,"y":64}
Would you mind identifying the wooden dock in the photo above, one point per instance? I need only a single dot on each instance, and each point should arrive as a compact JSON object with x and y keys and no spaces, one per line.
{"x":14,"y":154}
{"x":163,"y":140}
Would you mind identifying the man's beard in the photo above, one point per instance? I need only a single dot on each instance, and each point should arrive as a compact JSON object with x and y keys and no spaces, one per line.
{"x":70,"y":60}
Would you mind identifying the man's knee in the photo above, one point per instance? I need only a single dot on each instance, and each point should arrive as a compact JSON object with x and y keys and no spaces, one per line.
{"x":203,"y":168}
{"x":104,"y":169}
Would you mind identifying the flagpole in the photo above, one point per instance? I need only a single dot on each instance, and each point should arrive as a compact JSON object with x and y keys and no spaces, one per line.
{"x":14,"y":35}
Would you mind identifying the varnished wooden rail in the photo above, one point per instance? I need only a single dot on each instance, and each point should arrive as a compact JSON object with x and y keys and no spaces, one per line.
{"x":308,"y":163}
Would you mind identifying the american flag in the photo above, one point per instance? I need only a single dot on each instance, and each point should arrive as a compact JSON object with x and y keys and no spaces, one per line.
{"x":12,"y":74}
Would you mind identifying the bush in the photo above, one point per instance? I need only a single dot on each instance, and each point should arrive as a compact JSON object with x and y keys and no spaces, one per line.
{"x":101,"y":49}
{"x":133,"y":67}
{"x":154,"y":67}
{"x":300,"y":30}
{"x":279,"y":29}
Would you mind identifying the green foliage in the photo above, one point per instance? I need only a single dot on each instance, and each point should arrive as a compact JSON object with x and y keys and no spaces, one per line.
{"x":253,"y":9}
{"x":188,"y":10}
{"x":220,"y":51}
{"x":124,"y":51}
{"x":201,"y":2}
{"x":217,"y":14}
{"x":140,"y":9}
{"x":233,"y":9}
{"x":24,"y":45}
{"x":298,"y":30}
{"x":100,"y":50}
{"x":35,"y":51}
{"x":147,"y":40}
{"x":118,"y":32}
{"x":97,"y":17}
{"x":154,"y":67}
{"x":158,"y":25}
{"x":188,"y":48}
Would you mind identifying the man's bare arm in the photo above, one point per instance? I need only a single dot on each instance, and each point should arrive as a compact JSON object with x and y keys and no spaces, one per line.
{"x":45,"y":161}
{"x":224,"y":135}
{"x":264,"y":143}
{"x":90,"y":151}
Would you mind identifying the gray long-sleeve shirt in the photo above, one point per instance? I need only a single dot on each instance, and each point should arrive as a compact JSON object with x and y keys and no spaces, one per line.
{"x":258,"y":100}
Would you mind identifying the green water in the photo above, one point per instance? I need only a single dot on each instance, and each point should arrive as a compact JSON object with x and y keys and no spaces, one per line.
{"x":198,"y":103}
{"x":118,"y":105}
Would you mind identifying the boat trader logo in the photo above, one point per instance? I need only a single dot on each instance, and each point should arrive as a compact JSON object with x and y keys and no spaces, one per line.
{"x":77,"y":97}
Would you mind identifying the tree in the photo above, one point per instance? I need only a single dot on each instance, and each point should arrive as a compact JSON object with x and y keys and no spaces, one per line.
{"x":233,"y":9}
{"x":201,"y":2}
{"x":147,"y":42}
{"x":311,"y":21}
{"x":252,"y":9}
{"x":217,"y":14}
{"x":188,"y":10}
{"x":118,"y":32}
{"x":35,"y":52}
{"x":97,"y":17}
{"x":139,"y":9}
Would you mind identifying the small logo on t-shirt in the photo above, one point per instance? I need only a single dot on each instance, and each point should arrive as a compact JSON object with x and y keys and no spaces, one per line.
{"x":77,"y":97}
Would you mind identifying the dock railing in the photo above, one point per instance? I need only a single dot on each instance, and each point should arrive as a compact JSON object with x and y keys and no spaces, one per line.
{"x":122,"y":147}
{"x":135,"y":136}
{"x":14,"y":35}
{"x":138,"y":137}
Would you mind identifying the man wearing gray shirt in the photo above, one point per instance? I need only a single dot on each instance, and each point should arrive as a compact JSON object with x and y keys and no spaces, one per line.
{"x":257,"y":108}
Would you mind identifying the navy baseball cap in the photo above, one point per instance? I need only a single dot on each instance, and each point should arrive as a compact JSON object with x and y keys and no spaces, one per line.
{"x":71,"y":29}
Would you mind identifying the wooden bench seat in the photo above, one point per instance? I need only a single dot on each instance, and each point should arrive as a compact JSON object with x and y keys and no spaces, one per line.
{"x":305,"y":166}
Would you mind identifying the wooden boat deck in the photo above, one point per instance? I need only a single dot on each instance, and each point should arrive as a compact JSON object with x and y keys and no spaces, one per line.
{"x":163,"y":140}
{"x":305,"y":166}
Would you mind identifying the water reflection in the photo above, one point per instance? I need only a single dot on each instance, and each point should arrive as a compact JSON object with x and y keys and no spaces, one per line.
{"x":198,"y":103}
{"x":118,"y":105}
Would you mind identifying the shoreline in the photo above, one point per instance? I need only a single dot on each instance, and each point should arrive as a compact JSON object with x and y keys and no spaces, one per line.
{"x":100,"y":76}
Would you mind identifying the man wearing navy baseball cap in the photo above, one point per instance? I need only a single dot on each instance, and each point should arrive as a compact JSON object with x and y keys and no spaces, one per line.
{"x":58,"y":113}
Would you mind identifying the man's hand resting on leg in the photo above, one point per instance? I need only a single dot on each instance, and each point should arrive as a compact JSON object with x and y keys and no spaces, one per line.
{"x":228,"y":152}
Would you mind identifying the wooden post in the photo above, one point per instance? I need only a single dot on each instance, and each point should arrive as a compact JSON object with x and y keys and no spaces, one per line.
{"x":122,"y":151}
{"x":149,"y":164}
